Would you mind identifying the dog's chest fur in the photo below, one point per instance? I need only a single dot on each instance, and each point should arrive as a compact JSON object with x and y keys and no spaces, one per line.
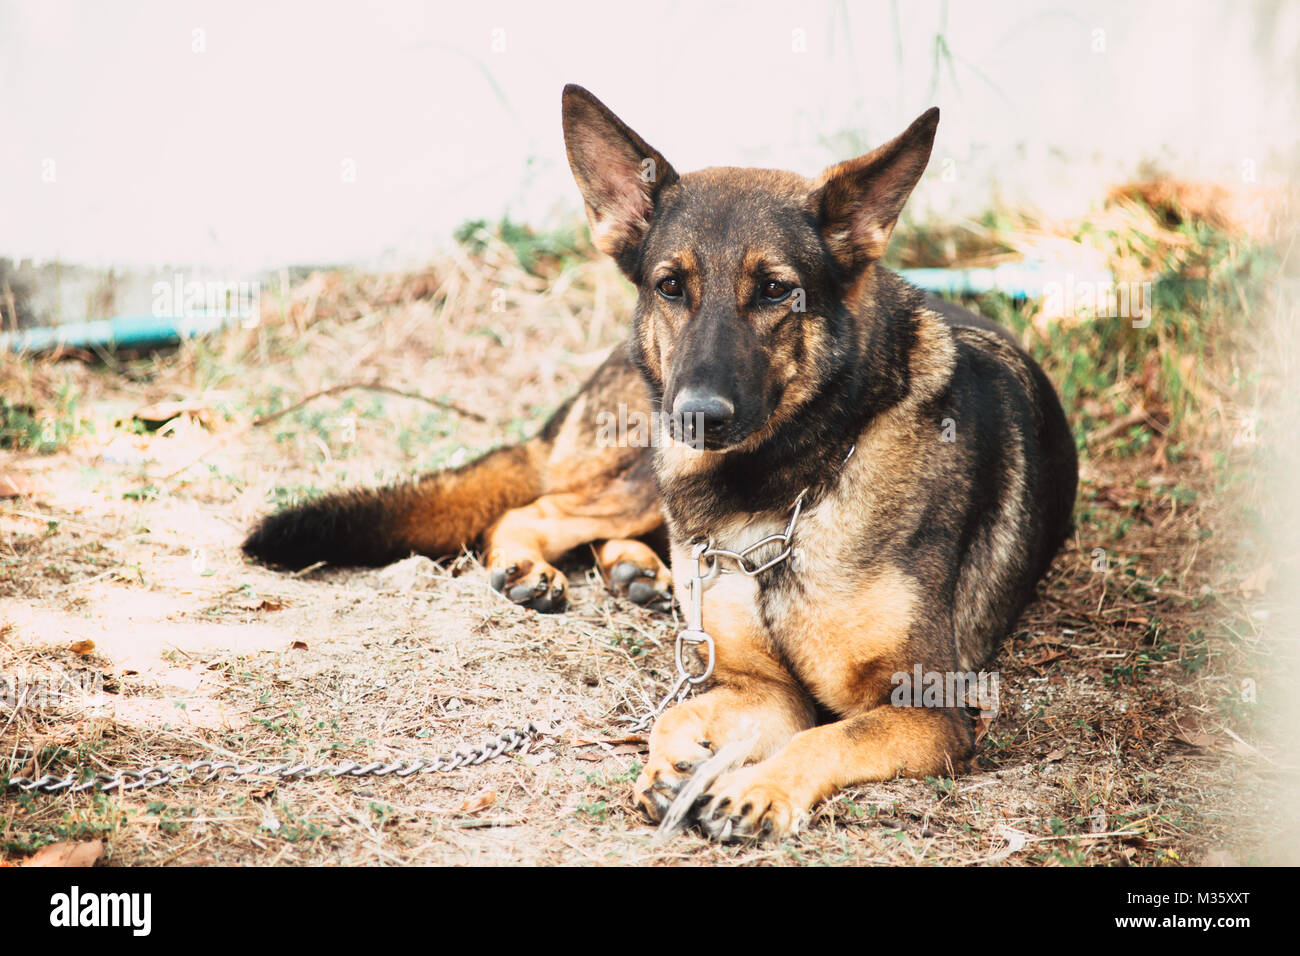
{"x":837,"y":609}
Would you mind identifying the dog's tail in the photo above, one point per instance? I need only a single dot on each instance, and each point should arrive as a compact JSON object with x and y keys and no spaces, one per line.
{"x":436,"y":514}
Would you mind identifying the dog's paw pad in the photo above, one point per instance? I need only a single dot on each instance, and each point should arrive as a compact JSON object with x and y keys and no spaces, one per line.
{"x":625,"y":573}
{"x":644,"y":592}
{"x":633,"y":570}
{"x":641,"y":586}
{"x":540,"y":587}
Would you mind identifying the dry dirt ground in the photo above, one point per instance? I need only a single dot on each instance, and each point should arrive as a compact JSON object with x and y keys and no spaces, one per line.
{"x":1126,"y":732}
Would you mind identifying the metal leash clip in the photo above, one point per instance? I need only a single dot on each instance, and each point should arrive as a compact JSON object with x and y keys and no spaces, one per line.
{"x":695,"y":633}
{"x":693,"y":636}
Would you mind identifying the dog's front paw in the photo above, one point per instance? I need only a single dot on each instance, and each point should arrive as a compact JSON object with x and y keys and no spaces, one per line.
{"x":641,"y":586}
{"x":748,"y":804}
{"x":664,"y":776}
{"x":633,"y":570}
{"x":532,"y":583}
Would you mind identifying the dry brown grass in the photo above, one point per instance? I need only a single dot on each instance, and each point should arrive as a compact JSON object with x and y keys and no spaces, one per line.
{"x":1123,"y":736}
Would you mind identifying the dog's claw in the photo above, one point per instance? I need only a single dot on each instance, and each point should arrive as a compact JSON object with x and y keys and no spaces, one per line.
{"x":744,"y":806}
{"x":540,"y":588}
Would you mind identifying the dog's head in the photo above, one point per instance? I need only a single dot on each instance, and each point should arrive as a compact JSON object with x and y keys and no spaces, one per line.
{"x":746,"y":277}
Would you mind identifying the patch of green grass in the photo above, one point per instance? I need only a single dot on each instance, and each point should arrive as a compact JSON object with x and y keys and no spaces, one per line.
{"x":382,"y":814}
{"x":597,"y":811}
{"x":100,"y":817}
{"x":631,"y":642}
{"x":943,"y":786}
{"x":286,"y":496}
{"x":427,"y":437}
{"x":24,"y":428}
{"x":297,"y":829}
{"x":543,"y":254}
{"x":1072,"y":854}
{"x":145,"y":493}
{"x":603,"y":780}
{"x":168,"y":818}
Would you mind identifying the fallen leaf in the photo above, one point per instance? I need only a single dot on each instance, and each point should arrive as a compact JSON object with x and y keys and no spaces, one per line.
{"x":298,"y":646}
{"x":30,"y":768}
{"x":14,"y":485}
{"x":592,"y":756}
{"x":1197,"y":740}
{"x":1046,"y":639}
{"x":160,"y":413}
{"x":83,"y":648}
{"x":1189,"y":733}
{"x":1045,"y":658}
{"x":269,"y":605}
{"x":478,"y":802}
{"x":1015,"y":842}
{"x":67,"y":853}
{"x":588,"y":741}
{"x":1058,"y":754}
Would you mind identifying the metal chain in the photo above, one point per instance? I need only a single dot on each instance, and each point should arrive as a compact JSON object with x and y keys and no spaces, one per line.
{"x":694,"y":634}
{"x":742,"y":558}
{"x":207,"y":771}
{"x":674,"y":696}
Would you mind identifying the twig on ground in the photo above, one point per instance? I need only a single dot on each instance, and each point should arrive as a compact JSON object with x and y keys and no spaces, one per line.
{"x":332,"y":390}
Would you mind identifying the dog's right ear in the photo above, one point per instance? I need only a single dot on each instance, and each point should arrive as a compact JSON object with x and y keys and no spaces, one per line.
{"x":619,"y":174}
{"x":859,"y":201}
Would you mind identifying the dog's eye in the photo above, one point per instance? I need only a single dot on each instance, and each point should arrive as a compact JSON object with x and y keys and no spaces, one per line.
{"x":670,"y":288}
{"x":773,"y":290}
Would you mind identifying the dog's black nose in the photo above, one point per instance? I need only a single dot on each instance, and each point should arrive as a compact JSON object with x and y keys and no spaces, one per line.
{"x":702,"y":416}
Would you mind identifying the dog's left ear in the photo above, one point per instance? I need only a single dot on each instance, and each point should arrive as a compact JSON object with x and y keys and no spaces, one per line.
{"x":619,"y":174}
{"x":857,"y":202}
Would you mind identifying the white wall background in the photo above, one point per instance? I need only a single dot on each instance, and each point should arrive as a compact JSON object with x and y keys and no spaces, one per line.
{"x":233,"y":156}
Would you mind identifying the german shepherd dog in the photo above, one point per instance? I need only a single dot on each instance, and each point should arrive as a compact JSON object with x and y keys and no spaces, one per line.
{"x":936,"y":467}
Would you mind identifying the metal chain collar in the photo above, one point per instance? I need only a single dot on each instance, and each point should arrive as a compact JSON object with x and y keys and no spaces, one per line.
{"x":207,"y":771}
{"x":695,"y":634}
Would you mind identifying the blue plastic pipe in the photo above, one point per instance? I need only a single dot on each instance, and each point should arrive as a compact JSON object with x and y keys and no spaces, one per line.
{"x":121,"y":331}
